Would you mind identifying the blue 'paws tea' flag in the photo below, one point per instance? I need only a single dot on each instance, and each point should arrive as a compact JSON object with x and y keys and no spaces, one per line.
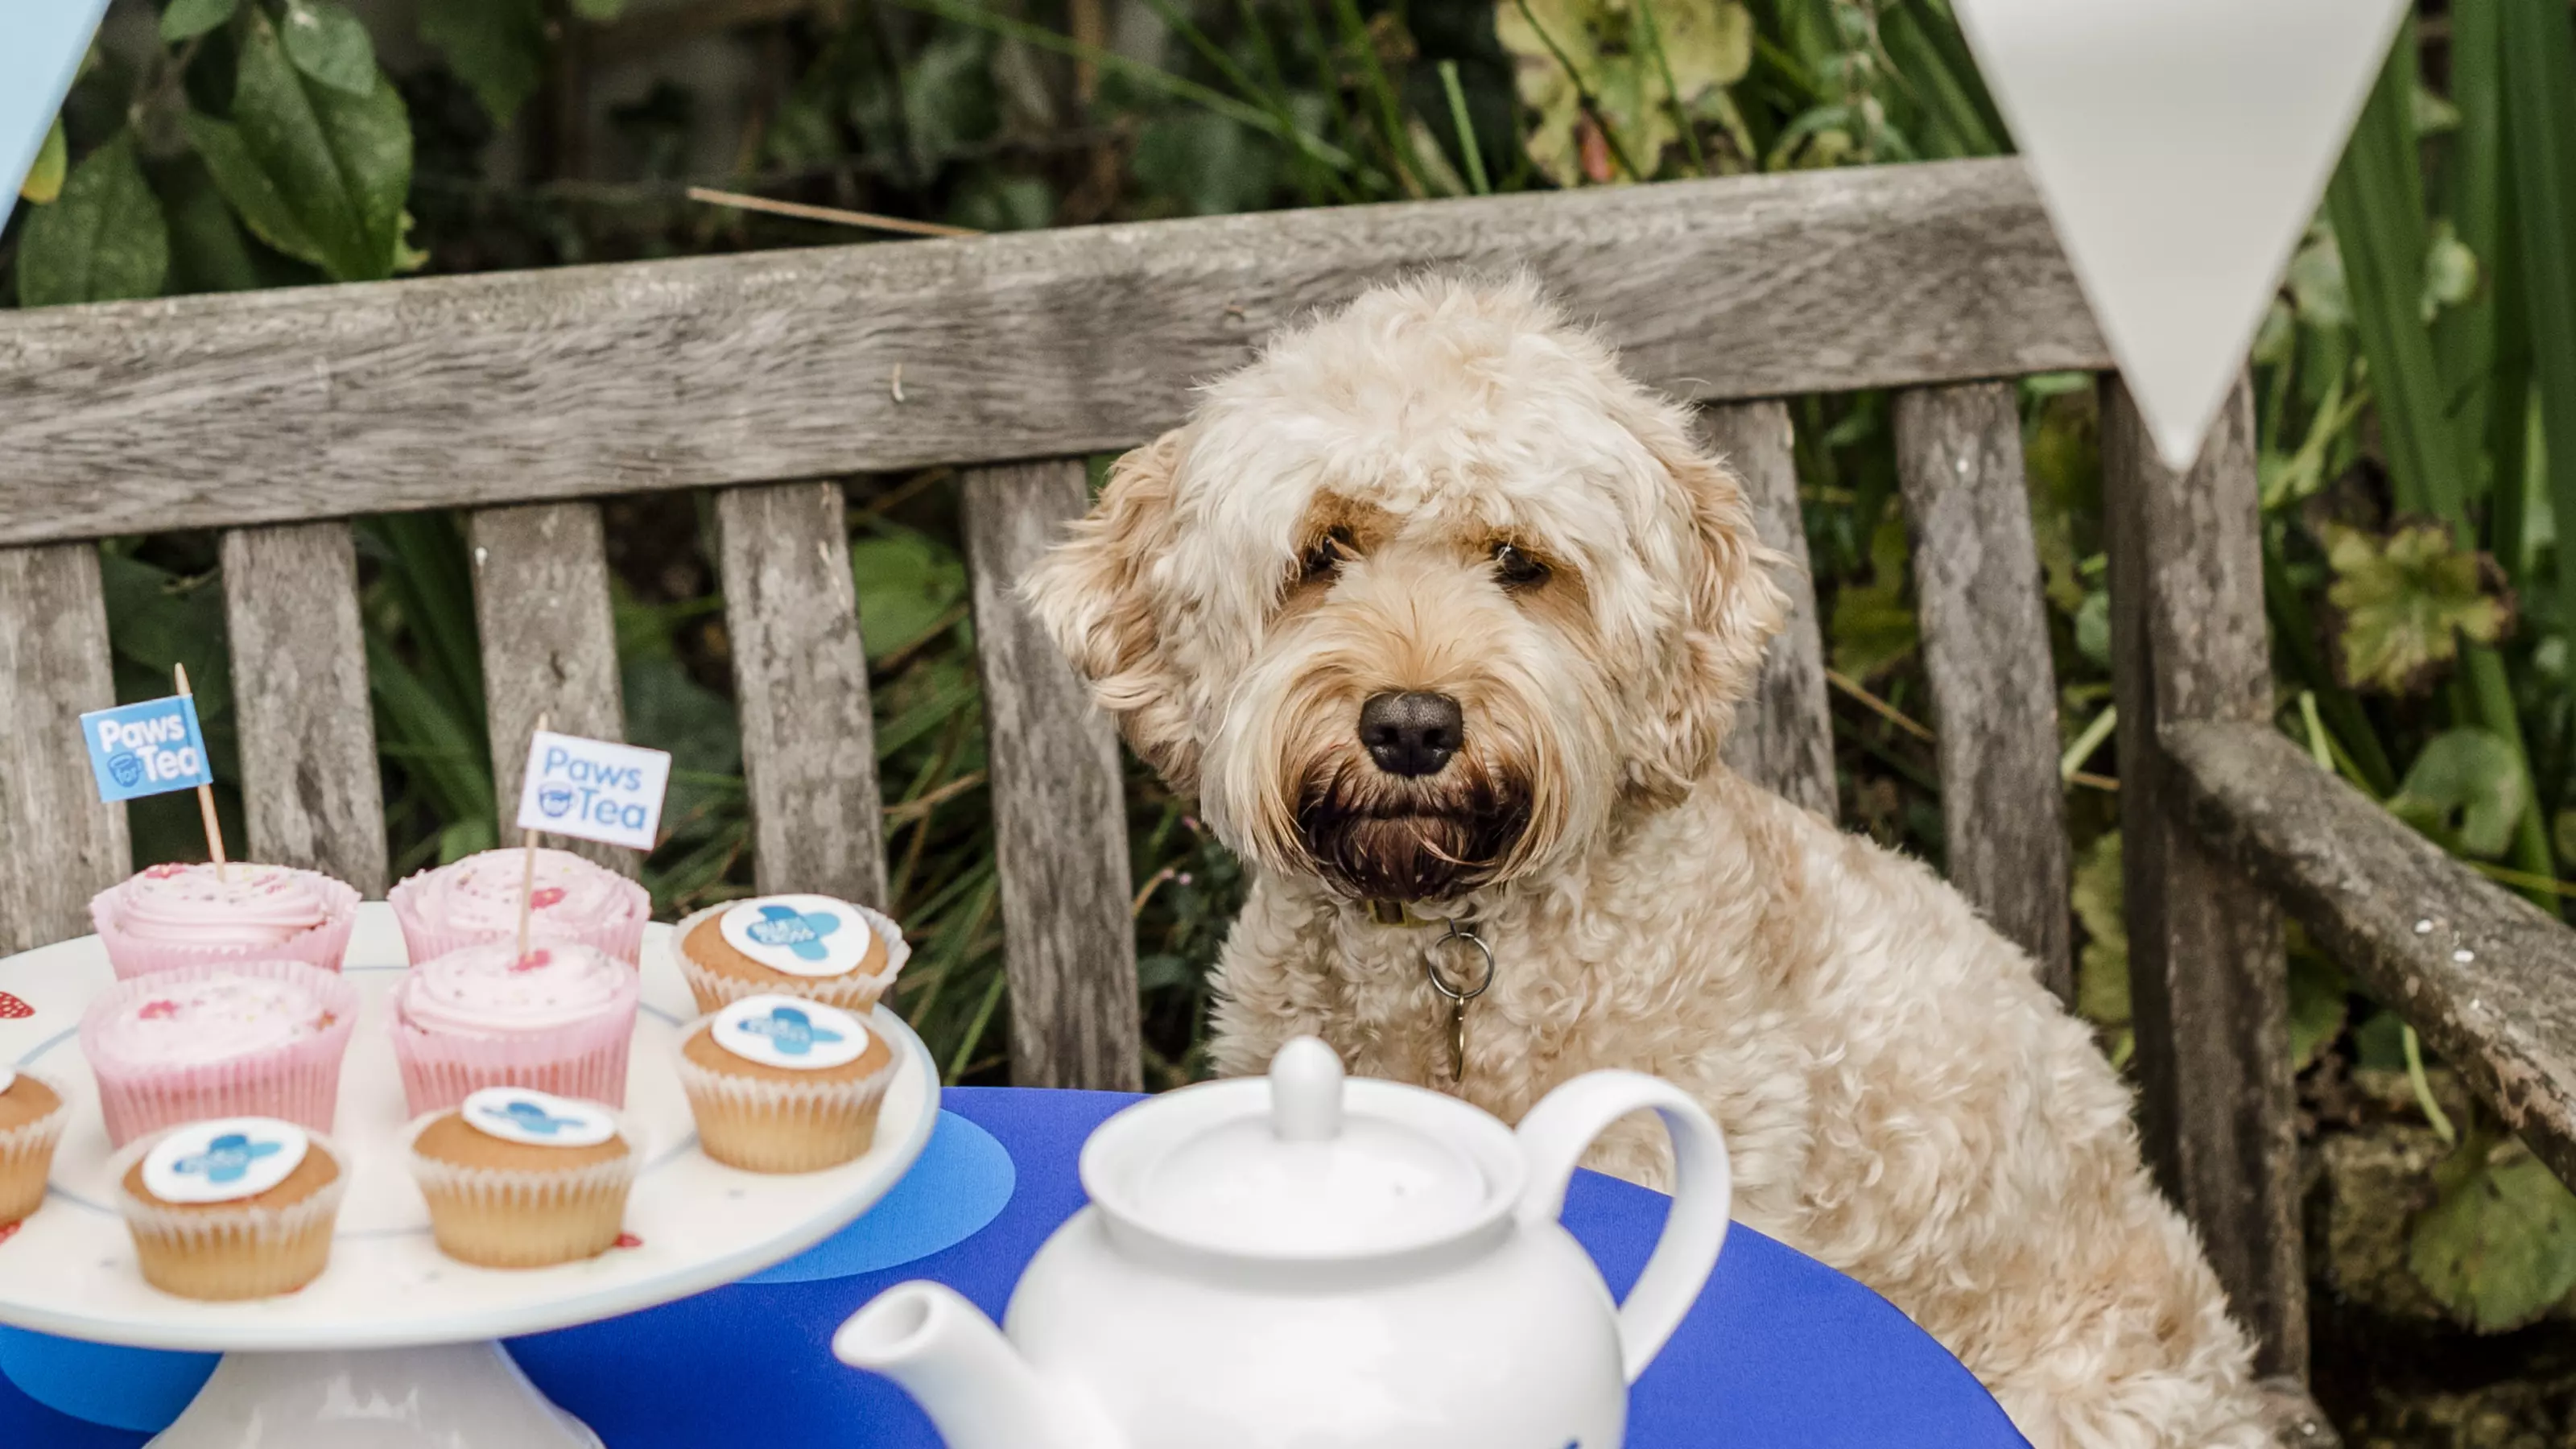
{"x":149,"y":748}
{"x":594,"y":789}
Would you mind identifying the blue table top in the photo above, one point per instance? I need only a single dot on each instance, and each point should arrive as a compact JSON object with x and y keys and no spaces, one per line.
{"x":1780,"y":1351}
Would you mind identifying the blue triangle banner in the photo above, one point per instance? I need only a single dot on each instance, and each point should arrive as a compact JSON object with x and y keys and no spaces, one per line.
{"x":41,"y":45}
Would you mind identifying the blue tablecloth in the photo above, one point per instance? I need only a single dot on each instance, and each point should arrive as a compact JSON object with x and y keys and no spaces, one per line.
{"x":1780,"y":1351}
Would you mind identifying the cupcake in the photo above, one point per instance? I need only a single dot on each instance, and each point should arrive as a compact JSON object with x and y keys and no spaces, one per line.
{"x":558,"y":1019}
{"x":207,"y":915}
{"x":241,"y":1207}
{"x":784,"y":1084}
{"x":522,"y":1179}
{"x":476,"y":899}
{"x":32,"y":1114}
{"x":258,"y":1038}
{"x":811,"y":946}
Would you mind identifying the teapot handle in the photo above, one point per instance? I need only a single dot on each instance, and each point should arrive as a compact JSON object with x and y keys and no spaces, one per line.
{"x":1554,"y":1137}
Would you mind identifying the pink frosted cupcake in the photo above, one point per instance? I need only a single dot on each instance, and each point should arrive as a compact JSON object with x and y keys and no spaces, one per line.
{"x":250,"y":1039}
{"x":476,"y":899}
{"x":202,"y":915}
{"x":556,"y":1020}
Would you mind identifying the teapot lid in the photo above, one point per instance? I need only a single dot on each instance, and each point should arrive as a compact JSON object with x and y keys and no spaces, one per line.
{"x":1303,"y":1164}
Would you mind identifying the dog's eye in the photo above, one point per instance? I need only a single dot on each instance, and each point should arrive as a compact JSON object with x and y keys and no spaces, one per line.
{"x":1324,"y":558}
{"x":1517,"y":569}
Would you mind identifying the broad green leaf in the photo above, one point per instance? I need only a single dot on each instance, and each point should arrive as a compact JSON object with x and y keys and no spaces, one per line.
{"x":2466,"y":790}
{"x":2317,"y":1006}
{"x":1706,"y":44}
{"x":2317,"y":283}
{"x":907,"y":582}
{"x":102,"y":239}
{"x":315,"y":172}
{"x":2450,"y":272}
{"x":2498,"y":1247}
{"x":2406,"y":599}
{"x":188,"y":19}
{"x":208,"y":252}
{"x":497,"y":47}
{"x":330,"y":45}
{"x":53,"y":161}
{"x":1874,"y":628}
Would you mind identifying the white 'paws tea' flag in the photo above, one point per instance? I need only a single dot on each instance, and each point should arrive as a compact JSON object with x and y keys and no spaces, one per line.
{"x":2180,"y":146}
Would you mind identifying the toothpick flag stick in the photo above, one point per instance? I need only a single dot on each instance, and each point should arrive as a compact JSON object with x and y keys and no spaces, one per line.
{"x":528,"y":872}
{"x":205,"y":796}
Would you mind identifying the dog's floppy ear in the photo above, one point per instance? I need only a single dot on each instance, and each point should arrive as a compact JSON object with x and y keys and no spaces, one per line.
{"x":1092,"y":593}
{"x":1732,"y":608}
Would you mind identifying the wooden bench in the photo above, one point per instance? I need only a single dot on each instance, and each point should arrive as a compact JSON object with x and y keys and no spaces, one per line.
{"x":521,"y":398}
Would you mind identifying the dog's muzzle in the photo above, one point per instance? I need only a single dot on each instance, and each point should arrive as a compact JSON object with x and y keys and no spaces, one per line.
{"x":1377,"y":836}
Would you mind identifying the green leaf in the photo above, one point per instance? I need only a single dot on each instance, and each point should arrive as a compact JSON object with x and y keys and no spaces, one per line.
{"x":208,"y":252}
{"x":1610,"y":51}
{"x":1874,"y":627}
{"x":2466,"y":790}
{"x":102,"y":239}
{"x":53,"y":159}
{"x":2540,"y":124}
{"x":2403,"y":597}
{"x":599,"y":12}
{"x":1206,"y":162}
{"x":497,"y":47}
{"x":2498,"y":1246}
{"x":2102,"y":970}
{"x":315,"y":172}
{"x":188,"y":19}
{"x":2317,"y":1006}
{"x":907,"y":582}
{"x":330,"y":45}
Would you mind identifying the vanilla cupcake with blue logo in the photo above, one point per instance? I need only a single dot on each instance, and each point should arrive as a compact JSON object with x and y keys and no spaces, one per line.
{"x":784,"y":1083}
{"x":237,"y":1207}
{"x":517,"y":1178}
{"x":816,"y":947}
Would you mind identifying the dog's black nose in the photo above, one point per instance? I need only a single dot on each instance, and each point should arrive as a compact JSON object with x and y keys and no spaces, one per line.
{"x":1411,"y":734}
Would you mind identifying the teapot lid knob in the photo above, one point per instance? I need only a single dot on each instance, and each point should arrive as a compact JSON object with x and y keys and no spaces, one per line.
{"x":1306,"y":1091}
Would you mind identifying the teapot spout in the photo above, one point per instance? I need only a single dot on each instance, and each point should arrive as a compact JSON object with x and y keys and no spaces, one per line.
{"x":973,"y":1384}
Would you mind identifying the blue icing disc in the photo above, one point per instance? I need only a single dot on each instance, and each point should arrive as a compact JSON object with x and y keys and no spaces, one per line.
{"x":962,"y":1181}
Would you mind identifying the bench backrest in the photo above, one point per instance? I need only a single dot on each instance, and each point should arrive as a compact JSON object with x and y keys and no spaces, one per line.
{"x":277,"y":416}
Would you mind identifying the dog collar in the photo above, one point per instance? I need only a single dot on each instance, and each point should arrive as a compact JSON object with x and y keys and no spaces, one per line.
{"x":1384,"y":912}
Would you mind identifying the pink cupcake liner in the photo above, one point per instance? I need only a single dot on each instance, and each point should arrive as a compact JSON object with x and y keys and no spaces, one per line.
{"x":586,"y":1060}
{"x":299,"y":1082}
{"x":621,"y":940}
{"x":322,"y":947}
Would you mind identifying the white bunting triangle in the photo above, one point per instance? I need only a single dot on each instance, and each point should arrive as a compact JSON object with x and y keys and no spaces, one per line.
{"x":41,"y":45}
{"x":2181,"y":147}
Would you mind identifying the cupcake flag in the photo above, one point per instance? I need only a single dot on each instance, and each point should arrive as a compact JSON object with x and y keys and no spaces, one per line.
{"x":2179,"y":218}
{"x":152,"y":748}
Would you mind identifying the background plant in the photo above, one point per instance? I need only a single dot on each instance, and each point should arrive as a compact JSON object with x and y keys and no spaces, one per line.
{"x":2412,"y":372}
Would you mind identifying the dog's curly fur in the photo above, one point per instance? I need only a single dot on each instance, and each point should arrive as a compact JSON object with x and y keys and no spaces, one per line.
{"x":1446,"y":488}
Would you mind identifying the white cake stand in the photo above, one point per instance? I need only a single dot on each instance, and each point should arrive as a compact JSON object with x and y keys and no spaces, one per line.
{"x":396,"y":1346}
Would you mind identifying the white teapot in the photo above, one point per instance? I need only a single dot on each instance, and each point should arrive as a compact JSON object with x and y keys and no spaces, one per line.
{"x":1312,"y":1262}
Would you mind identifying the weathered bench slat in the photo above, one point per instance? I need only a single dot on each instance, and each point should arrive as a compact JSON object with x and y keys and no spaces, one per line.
{"x":2207,"y":978}
{"x":311,"y":795}
{"x":1059,"y":806}
{"x":1985,"y":649}
{"x":2489,"y":979}
{"x":549,"y":643}
{"x":519,"y":387}
{"x":1784,"y":735}
{"x":800,"y":675}
{"x":58,"y":845}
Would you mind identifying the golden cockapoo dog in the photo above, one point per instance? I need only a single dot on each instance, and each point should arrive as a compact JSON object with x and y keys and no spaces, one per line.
{"x":1431,"y":604}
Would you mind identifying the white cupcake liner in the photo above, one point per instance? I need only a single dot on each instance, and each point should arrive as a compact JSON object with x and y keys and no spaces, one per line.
{"x":27,"y":1153}
{"x":761,"y":1125}
{"x":550,"y":1217}
{"x":715,"y":990}
{"x":228,"y":1251}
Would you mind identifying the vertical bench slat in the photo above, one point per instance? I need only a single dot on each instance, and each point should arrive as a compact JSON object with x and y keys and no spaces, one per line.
{"x":549,"y":642}
{"x":311,"y":795}
{"x":1060,"y":815}
{"x":800,"y":674}
{"x":2207,"y":978}
{"x":58,"y":845}
{"x":1784,"y":735}
{"x":1985,"y":649}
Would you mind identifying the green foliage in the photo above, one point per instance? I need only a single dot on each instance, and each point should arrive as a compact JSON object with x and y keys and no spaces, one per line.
{"x":1621,"y":78}
{"x":2406,"y":600}
{"x":1874,"y":626}
{"x":2466,"y":790}
{"x":2498,"y":1246}
{"x":188,"y":19}
{"x":497,"y":47}
{"x":328,"y":44}
{"x":103,"y":238}
{"x":316,"y":172}
{"x":53,"y":161}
